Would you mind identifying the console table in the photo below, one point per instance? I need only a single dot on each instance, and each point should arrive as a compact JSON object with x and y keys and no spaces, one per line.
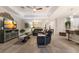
{"x":74,"y":36}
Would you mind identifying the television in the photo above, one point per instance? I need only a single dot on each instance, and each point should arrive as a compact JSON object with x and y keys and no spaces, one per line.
{"x":9,"y":24}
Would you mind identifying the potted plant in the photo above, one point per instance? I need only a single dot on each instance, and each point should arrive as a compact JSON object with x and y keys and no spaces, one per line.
{"x":68,"y":24}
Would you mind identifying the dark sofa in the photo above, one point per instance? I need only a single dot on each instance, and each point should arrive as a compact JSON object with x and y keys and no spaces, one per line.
{"x":36,"y":31}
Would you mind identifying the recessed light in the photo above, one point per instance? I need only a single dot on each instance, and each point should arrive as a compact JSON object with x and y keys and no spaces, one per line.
{"x":34,"y":9}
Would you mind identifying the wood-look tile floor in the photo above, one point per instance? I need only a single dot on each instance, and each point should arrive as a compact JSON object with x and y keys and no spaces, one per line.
{"x":57,"y":45}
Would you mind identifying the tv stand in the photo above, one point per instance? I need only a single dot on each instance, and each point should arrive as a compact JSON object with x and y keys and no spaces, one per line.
{"x":6,"y":35}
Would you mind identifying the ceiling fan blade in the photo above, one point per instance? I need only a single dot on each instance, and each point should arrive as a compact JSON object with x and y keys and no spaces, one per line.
{"x":39,"y":8}
{"x":31,"y":7}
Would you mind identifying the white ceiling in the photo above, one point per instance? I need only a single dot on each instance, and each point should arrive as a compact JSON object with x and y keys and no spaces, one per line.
{"x":54,"y":12}
{"x":66,"y":11}
{"x":26,"y":12}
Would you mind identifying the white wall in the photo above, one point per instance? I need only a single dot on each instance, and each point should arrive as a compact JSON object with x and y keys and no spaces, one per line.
{"x":20,"y":23}
{"x":46,"y":22}
{"x":75,"y":23}
{"x":59,"y":25}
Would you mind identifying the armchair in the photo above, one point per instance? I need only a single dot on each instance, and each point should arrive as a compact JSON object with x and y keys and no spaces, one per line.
{"x":43,"y":39}
{"x":48,"y":37}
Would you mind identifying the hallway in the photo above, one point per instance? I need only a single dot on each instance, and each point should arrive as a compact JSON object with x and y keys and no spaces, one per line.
{"x":58,"y":45}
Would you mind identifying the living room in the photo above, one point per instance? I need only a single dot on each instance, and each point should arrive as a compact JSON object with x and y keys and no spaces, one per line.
{"x":39,"y":29}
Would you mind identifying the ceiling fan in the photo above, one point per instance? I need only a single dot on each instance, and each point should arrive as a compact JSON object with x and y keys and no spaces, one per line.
{"x":35,"y":7}
{"x":31,"y":7}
